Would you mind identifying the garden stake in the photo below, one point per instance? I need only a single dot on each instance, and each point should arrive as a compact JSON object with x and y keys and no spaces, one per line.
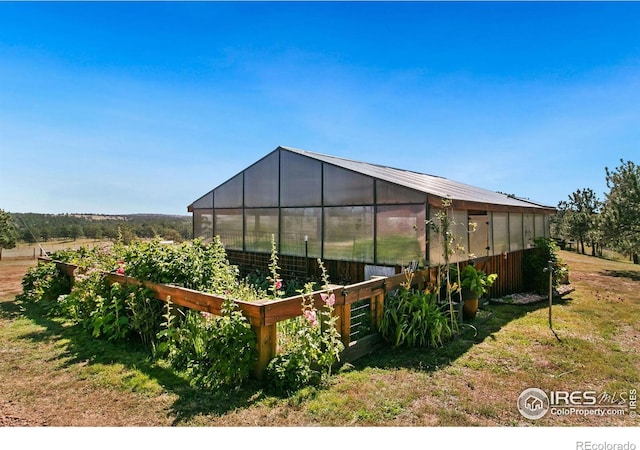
{"x":550,"y":269}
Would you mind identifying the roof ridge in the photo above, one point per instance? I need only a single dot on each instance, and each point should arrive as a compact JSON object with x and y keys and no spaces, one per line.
{"x":309,"y":152}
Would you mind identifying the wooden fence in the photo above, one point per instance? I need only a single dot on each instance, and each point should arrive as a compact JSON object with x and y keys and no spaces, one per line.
{"x":263,"y":315}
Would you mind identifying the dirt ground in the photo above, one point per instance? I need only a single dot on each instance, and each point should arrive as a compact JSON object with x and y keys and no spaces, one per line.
{"x":11,"y":273}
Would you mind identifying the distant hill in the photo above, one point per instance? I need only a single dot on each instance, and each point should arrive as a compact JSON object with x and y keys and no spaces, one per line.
{"x":42,"y":227}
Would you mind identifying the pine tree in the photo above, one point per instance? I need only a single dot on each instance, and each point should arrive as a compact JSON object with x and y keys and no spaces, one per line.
{"x":621,"y":214}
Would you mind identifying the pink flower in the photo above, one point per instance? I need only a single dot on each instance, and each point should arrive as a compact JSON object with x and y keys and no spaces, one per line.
{"x":206,"y":315}
{"x":278,"y":284}
{"x":120,"y":270}
{"x":311,"y":317}
{"x":329,"y":300}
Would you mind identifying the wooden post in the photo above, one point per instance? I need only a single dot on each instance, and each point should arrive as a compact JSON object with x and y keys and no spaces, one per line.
{"x":550,"y":269}
{"x":378,"y":304}
{"x":344,"y":310}
{"x":266,"y":342}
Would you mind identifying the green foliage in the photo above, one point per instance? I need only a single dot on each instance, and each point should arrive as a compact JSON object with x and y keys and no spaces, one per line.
{"x":144,"y":312}
{"x":213,"y":350}
{"x":414,"y":318}
{"x":43,"y":284}
{"x":535,"y":264}
{"x":195,"y":265}
{"x":275,"y":282}
{"x":109,"y":318}
{"x":89,"y":294}
{"x":8,"y":233}
{"x":291,"y":371}
{"x":578,"y":217}
{"x":476,"y":281}
{"x":621,"y":213}
{"x":310,"y":356}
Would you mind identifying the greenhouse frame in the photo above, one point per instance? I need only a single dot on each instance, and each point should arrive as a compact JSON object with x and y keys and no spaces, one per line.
{"x":360,"y":219}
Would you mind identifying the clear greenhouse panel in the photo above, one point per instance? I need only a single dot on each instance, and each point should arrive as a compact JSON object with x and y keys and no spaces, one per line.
{"x":343,"y":187}
{"x":298,"y":224}
{"x":229,"y":194}
{"x":229,"y":226}
{"x":539,"y":227}
{"x":479,"y":235}
{"x":261,"y":226}
{"x":391,"y":194}
{"x":500,"y":222}
{"x":400,"y":234}
{"x":348,"y":234}
{"x":528,"y":222}
{"x":302,"y":184}
{"x":516,"y":236}
{"x":203,"y":224}
{"x":261,"y":182}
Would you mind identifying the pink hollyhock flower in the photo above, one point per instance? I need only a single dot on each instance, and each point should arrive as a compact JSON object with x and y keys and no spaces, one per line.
{"x":278,"y":284}
{"x":329,"y":300}
{"x":120,"y":270}
{"x":311,"y":317}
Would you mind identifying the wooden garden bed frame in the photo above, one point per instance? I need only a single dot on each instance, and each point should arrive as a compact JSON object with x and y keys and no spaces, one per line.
{"x":263,"y":315}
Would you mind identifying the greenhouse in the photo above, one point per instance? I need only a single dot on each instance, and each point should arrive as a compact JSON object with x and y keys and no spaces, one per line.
{"x":359,"y":218}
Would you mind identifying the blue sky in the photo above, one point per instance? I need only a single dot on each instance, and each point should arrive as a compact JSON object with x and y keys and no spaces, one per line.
{"x":125,"y":107}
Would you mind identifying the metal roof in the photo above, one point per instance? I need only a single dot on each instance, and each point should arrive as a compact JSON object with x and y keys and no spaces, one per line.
{"x":429,"y":184}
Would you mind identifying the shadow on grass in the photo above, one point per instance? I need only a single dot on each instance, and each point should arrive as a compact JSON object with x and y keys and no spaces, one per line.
{"x":632,"y":275}
{"x":81,"y":348}
{"x":491,"y":318}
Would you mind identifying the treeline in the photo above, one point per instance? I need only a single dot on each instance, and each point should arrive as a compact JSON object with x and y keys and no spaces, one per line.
{"x":34,"y":227}
{"x":612,"y":222}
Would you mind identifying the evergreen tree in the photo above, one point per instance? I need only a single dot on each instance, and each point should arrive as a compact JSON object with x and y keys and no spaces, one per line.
{"x":621,"y":213}
{"x":578,"y":217}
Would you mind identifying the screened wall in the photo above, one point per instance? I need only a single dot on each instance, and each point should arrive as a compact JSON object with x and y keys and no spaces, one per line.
{"x":474,"y":235}
{"x":320,"y":209}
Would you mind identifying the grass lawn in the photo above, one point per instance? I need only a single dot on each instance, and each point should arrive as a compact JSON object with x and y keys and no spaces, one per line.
{"x":53,"y":374}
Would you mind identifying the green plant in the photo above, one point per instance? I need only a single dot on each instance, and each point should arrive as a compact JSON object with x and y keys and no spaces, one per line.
{"x":144,"y":312}
{"x":89,"y":290}
{"x":109,"y":318}
{"x":43,"y":284}
{"x":414,"y":318}
{"x":308,"y":360}
{"x":212,"y":350}
{"x":536,"y":263}
{"x":275,"y":282}
{"x":476,"y":281}
{"x":441,"y":227}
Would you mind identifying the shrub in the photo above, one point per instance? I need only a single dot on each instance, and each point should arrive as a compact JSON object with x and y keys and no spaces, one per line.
{"x":537,"y":260}
{"x":43,"y":284}
{"x":213,"y":350}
